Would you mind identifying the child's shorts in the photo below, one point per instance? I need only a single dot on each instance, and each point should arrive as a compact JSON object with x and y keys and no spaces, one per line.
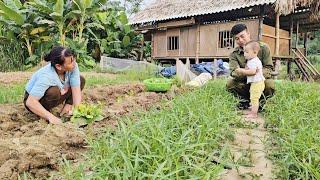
{"x":256,"y":90}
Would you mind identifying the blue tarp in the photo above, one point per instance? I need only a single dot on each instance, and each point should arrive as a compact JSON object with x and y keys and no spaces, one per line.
{"x":204,"y":67}
{"x":168,"y":71}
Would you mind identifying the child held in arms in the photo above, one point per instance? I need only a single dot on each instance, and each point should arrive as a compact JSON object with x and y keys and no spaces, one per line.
{"x":254,"y":76}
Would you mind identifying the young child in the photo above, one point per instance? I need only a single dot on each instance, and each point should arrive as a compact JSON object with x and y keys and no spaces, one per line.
{"x":254,"y":76}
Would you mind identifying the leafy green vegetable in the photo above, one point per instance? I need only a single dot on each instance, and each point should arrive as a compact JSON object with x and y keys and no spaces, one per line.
{"x":87,"y":114}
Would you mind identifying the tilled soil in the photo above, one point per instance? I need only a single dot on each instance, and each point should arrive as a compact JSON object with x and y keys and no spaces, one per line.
{"x":29,"y":144}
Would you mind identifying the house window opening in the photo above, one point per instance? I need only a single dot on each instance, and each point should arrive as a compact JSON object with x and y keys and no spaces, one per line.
{"x":173,"y":43}
{"x":226,"y":40}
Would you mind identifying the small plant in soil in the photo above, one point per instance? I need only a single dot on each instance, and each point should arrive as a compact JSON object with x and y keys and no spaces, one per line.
{"x":87,"y":114}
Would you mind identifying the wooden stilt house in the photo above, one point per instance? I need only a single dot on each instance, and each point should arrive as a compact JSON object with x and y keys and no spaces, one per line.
{"x":200,"y":29}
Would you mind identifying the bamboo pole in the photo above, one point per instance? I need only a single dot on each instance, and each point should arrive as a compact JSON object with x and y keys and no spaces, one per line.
{"x":261,"y":13}
{"x":297,"y":34}
{"x":289,"y":71}
{"x":198,"y":44}
{"x":277,"y":63}
{"x":277,"y":34}
{"x":308,"y":62}
{"x":291,"y":34}
{"x":305,"y":40}
{"x":304,"y":73}
{"x":152,"y":46}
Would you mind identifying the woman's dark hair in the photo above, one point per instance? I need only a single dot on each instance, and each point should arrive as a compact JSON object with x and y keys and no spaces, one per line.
{"x":57,"y":55}
{"x":238,"y":28}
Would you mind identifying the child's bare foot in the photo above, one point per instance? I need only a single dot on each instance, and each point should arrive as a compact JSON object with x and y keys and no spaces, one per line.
{"x":252,"y":115}
{"x":246,"y":112}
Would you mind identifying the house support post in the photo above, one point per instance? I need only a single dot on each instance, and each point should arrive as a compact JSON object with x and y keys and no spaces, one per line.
{"x":277,"y":60}
{"x":260,"y":23}
{"x":297,"y":35}
{"x":141,"y":50}
{"x":305,"y":46}
{"x":198,"y":44}
{"x":289,"y":62}
{"x":152,"y":46}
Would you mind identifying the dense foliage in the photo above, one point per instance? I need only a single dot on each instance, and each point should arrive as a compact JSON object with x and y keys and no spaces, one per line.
{"x":89,"y":27}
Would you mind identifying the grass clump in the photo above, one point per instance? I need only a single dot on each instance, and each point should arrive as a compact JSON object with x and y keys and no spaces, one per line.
{"x":11,"y":93}
{"x":292,"y":117}
{"x":12,"y":56}
{"x":173,"y":143}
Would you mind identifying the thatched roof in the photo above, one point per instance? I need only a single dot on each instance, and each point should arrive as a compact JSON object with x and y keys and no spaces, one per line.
{"x":288,"y":6}
{"x":173,"y":9}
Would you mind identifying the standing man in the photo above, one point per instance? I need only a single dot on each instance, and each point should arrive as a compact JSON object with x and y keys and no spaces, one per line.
{"x":237,"y":84}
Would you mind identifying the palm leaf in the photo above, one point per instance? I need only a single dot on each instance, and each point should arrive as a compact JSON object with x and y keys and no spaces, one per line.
{"x":86,"y":3}
{"x":123,"y":18}
{"x":40,"y":6}
{"x":58,"y":7}
{"x":13,"y":15}
{"x":37,"y":30}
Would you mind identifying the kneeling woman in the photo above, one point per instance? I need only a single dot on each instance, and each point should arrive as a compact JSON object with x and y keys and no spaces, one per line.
{"x":56,"y":83}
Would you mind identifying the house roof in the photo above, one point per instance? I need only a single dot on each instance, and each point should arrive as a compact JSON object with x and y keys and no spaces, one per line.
{"x":173,"y":9}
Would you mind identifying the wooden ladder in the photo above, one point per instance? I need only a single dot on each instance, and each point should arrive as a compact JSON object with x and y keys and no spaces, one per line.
{"x":309,"y":72}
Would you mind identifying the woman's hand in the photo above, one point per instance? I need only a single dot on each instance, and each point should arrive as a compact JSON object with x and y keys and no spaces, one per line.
{"x":54,"y":120}
{"x":67,"y":110}
{"x":34,"y":105}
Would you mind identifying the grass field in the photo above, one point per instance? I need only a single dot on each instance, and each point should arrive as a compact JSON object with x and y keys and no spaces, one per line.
{"x":292,"y":118}
{"x":177,"y":142}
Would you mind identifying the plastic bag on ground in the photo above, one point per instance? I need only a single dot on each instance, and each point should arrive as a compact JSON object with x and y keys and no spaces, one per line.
{"x":183,"y":72}
{"x":200,"y":80}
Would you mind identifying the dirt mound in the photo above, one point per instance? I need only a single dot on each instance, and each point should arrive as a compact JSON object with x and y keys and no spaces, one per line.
{"x":40,"y":154}
{"x":31,"y":145}
{"x":122,"y":99}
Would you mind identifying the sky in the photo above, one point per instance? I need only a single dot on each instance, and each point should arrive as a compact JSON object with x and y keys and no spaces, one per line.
{"x":146,"y":2}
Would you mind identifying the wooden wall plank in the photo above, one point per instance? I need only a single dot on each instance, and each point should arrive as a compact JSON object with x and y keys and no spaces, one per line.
{"x":172,"y":32}
{"x":160,"y":44}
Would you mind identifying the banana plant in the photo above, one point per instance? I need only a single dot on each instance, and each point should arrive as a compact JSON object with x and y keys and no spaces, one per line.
{"x":19,"y":20}
{"x":54,"y":14}
{"x":85,"y":10}
{"x":119,"y":39}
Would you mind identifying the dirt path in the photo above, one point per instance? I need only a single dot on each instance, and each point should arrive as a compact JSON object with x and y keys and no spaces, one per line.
{"x":249,"y":154}
{"x":30,"y":145}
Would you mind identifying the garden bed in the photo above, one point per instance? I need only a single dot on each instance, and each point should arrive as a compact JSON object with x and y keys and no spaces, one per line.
{"x":32,"y":146}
